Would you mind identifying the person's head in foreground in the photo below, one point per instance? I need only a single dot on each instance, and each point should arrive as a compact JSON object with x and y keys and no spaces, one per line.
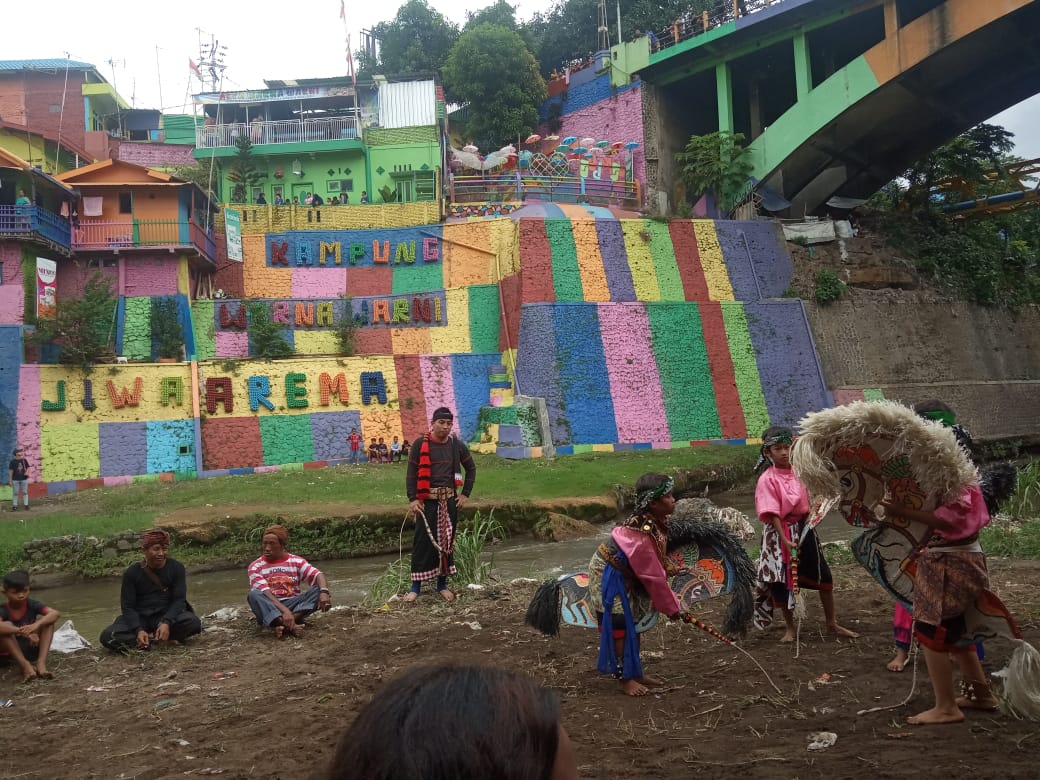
{"x":457,"y":723}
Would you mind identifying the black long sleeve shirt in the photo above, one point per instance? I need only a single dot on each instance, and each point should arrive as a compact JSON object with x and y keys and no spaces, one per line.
{"x":442,"y":465}
{"x":141,"y":598}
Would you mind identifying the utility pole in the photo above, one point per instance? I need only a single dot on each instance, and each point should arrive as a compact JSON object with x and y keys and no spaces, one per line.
{"x":604,"y":32}
{"x":211,"y":62}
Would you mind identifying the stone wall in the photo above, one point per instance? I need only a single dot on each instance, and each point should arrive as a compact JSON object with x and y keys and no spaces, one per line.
{"x":984,"y":362}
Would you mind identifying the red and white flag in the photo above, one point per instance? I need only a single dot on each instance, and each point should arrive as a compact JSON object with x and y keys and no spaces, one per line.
{"x":342,"y":9}
{"x":194,"y":68}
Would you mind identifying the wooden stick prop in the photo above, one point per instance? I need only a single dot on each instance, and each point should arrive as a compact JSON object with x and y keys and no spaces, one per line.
{"x":688,"y":618}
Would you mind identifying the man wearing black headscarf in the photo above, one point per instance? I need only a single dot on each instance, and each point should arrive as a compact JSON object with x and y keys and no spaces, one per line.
{"x":435,"y":464}
{"x":154,"y":600}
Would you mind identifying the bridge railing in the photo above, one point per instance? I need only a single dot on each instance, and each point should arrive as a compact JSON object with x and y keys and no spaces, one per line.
{"x":691,"y":25}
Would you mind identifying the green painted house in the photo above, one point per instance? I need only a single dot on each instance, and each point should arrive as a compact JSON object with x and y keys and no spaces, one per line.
{"x":382,"y":138}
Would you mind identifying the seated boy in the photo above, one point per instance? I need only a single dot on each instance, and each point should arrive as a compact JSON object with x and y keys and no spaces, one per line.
{"x":26,"y":627}
{"x":373,"y":451}
{"x":382,"y":451}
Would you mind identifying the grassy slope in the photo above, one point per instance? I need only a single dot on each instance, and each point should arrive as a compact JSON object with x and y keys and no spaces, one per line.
{"x":107,"y":511}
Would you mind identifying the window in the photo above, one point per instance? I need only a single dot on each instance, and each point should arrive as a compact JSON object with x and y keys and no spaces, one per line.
{"x":125,"y":203}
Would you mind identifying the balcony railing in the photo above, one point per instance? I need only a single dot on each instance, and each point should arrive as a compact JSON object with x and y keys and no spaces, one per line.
{"x":132,"y":233}
{"x":33,"y":221}
{"x":560,"y":189}
{"x":283,"y":131}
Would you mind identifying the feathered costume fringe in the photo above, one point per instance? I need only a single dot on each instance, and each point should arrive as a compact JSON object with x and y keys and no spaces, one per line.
{"x":939,"y":466}
{"x":686,"y":526}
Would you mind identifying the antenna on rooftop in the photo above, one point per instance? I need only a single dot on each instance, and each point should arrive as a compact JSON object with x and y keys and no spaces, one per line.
{"x":211,"y":61}
{"x":604,"y":32}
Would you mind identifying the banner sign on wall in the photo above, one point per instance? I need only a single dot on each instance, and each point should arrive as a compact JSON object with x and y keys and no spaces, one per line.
{"x":233,"y":231}
{"x":46,"y":277}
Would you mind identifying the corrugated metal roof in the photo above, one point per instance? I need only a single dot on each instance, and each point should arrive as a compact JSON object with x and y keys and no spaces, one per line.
{"x":53,"y":64}
{"x":407,"y":104}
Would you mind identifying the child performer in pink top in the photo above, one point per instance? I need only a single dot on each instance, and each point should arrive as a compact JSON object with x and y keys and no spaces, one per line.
{"x":782,"y":504}
{"x":628,"y":579}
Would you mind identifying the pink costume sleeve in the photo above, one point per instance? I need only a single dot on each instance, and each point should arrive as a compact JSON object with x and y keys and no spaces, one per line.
{"x":967,"y":513}
{"x":767,"y":497}
{"x":641,"y":552}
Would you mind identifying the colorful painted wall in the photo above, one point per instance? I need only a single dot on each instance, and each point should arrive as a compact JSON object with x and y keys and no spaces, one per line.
{"x":647,"y":334}
{"x":589,"y":106}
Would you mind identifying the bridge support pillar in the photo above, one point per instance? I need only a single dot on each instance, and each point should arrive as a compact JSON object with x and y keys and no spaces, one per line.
{"x":724,"y":90}
{"x":891,"y":19}
{"x":802,"y":65}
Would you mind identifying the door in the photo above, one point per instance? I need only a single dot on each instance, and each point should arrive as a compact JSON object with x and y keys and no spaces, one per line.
{"x":300,"y":190}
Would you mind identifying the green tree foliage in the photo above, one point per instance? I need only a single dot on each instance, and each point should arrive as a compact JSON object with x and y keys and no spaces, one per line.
{"x":266,"y":337}
{"x":416,"y":40}
{"x":716,"y":163}
{"x":500,"y":13}
{"x":243,"y":171}
{"x":992,"y":261}
{"x":166,"y":327}
{"x":491,"y":69}
{"x":569,"y":29}
{"x":82,"y":327}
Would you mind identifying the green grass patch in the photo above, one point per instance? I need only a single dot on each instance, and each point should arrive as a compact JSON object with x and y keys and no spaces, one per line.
{"x":107,"y":511}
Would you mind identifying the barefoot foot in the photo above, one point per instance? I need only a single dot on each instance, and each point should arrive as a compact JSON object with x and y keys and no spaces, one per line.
{"x":296,"y":630}
{"x":898,"y":663}
{"x":842,"y":631}
{"x":653,"y":682}
{"x":936,"y":716}
{"x":409,"y":597}
{"x":446,"y":594}
{"x":279,"y":632}
{"x":787,"y":637}
{"x":633,"y":688}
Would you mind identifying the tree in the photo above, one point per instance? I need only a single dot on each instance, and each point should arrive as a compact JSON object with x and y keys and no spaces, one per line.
{"x":166,"y":327}
{"x":966,"y":157}
{"x":716,"y":163}
{"x":500,"y":13}
{"x":243,"y":171}
{"x":198,"y":174}
{"x":569,"y":30}
{"x":83,"y":326}
{"x":266,"y":337}
{"x":491,"y":69}
{"x":416,"y":41}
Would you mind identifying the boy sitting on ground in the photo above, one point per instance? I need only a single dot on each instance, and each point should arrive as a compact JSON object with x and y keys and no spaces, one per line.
{"x":26,"y":627}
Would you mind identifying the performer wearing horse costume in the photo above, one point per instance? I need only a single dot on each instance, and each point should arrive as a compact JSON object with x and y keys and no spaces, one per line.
{"x":791,"y":554}
{"x":640,"y":573}
{"x":912,"y":486}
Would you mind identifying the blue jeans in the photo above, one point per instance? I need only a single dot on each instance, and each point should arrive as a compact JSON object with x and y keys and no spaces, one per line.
{"x":267,"y":613}
{"x":19,"y":486}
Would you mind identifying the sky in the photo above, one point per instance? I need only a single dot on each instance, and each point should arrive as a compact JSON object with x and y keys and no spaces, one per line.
{"x":147,"y":58}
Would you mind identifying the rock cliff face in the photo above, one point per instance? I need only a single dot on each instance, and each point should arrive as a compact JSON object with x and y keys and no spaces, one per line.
{"x":892,"y":335}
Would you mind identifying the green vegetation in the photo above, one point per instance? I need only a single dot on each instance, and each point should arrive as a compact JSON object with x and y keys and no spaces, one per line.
{"x":992,"y":260}
{"x":346,"y":330}
{"x":718,"y":163}
{"x":473,"y":538}
{"x":108,"y":511}
{"x":243,"y":171}
{"x":266,"y":337}
{"x":828,"y":286}
{"x":82,"y":327}
{"x":166,"y":328}
{"x":490,"y":69}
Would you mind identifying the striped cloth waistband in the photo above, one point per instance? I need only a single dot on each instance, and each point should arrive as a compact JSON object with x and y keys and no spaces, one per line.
{"x":441,"y":493}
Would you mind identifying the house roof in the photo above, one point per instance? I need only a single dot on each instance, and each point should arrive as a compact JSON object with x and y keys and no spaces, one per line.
{"x":45,"y":64}
{"x":74,"y":176}
{"x":52,"y":137}
{"x":9,"y":160}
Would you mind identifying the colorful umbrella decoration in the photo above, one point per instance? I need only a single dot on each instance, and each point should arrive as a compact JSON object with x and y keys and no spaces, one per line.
{"x":578,"y":150}
{"x":602,"y":144}
{"x":587,"y":142}
{"x":533,"y":138}
{"x":631,"y":145}
{"x":552,"y":138}
{"x":563,"y":149}
{"x":569,"y":140}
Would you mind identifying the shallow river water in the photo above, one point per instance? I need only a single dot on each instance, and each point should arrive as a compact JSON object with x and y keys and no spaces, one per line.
{"x":93,"y":605}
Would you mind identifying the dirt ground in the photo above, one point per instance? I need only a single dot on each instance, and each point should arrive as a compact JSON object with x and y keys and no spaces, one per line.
{"x":164,"y":714}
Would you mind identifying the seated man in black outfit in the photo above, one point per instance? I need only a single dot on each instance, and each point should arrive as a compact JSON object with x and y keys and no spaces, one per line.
{"x":153,"y":599}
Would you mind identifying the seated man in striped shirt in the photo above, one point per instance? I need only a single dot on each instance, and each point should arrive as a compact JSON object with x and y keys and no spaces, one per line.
{"x":274,"y":586}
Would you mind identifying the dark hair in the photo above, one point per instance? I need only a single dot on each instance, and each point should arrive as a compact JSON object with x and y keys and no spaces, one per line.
{"x":776,"y":430}
{"x":452,"y":723}
{"x":16,"y":580}
{"x":650,"y":482}
{"x":932,"y":405}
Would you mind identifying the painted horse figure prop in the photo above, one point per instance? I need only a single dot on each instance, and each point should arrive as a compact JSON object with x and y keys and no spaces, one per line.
{"x":711,"y":561}
{"x":864,"y":451}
